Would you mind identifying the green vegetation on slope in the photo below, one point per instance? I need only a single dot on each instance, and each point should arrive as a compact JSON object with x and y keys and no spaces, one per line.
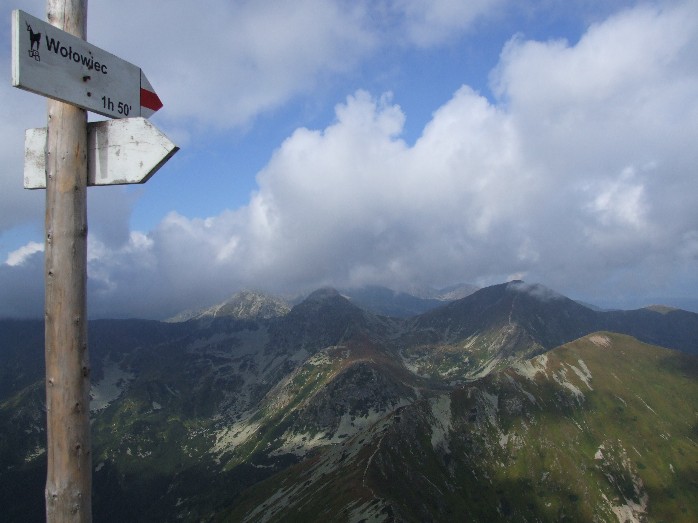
{"x":601,"y":429}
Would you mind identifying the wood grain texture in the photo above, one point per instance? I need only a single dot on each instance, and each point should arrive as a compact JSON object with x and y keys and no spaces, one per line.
{"x":69,"y":474}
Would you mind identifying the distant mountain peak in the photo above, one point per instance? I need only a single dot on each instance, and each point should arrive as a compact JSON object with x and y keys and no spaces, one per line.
{"x":243,"y":305}
{"x":661,"y":309}
{"x":323,"y":294}
{"x":536,"y":290}
{"x":324,"y":301}
{"x":251,"y":305}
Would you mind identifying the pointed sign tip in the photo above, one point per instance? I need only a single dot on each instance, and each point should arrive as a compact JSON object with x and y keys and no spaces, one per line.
{"x":123,"y":151}
{"x":150,"y":101}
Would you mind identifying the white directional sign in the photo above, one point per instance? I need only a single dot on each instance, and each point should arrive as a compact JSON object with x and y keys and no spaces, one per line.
{"x":53,"y":63}
{"x":119,"y":152}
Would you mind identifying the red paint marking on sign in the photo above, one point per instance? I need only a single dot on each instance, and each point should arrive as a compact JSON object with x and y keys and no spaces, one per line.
{"x":150,"y":100}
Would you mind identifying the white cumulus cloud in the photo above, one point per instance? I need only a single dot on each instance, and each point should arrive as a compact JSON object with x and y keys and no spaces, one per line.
{"x":19,"y":256}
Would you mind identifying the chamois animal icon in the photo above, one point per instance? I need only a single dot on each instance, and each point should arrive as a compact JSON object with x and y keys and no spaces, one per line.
{"x":35,"y":39}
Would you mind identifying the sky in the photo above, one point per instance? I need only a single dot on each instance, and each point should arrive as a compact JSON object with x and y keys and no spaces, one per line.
{"x":404,"y":143}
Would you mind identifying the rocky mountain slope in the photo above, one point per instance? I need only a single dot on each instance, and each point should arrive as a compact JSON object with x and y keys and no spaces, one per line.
{"x":243,"y":305}
{"x":483,"y":409}
{"x":601,"y":429}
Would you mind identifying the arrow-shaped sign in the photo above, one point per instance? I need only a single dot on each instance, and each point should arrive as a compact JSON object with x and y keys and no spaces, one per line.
{"x":119,"y":152}
{"x":53,"y":63}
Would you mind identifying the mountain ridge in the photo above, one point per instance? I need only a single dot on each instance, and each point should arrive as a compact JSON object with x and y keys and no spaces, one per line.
{"x":195,"y":418}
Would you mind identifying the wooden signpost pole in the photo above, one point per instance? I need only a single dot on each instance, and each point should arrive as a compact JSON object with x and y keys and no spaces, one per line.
{"x":69,"y":476}
{"x":54,"y":60}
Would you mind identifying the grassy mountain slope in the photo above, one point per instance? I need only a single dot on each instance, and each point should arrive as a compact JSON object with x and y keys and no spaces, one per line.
{"x":498,"y":325}
{"x":491,"y":329}
{"x":601,"y":429}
